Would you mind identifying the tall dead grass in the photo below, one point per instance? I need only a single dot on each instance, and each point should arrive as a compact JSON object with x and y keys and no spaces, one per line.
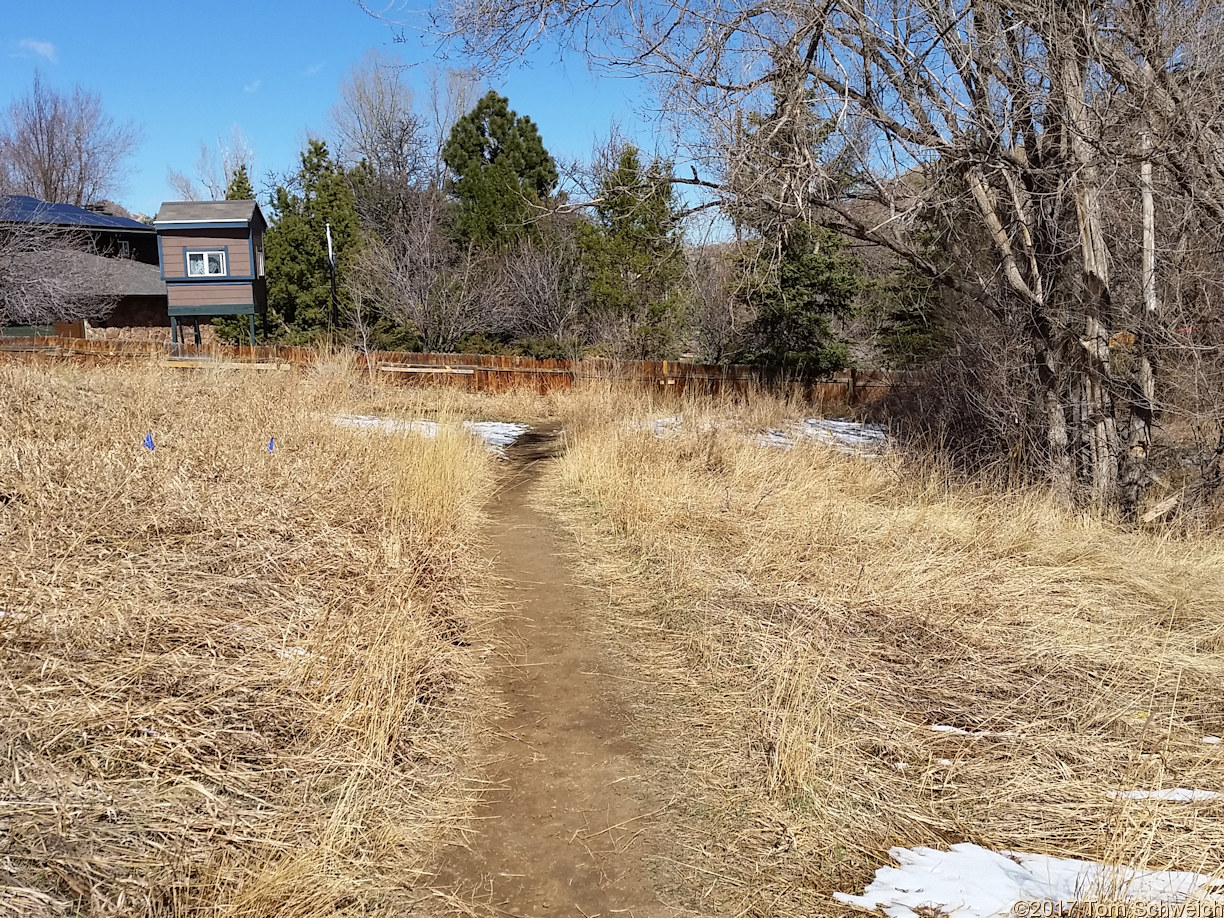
{"x":233,"y":681}
{"x":858,"y":654}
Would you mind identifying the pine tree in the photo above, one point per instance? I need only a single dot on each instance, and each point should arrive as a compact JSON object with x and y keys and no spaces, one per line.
{"x":796,"y":289}
{"x":499,"y":170}
{"x":235,"y":328}
{"x":796,"y":277}
{"x":299,"y":291}
{"x":239,"y":187}
{"x":633,"y":257}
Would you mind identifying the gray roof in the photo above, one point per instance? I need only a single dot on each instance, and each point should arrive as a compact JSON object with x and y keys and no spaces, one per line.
{"x":126,"y":277}
{"x":207,"y":212}
{"x":118,"y":276}
{"x":101,"y":277}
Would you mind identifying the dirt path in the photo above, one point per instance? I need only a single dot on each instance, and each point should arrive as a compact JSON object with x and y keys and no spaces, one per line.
{"x":562,"y":833}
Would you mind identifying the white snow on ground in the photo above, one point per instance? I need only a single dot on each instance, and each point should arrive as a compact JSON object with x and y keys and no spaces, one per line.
{"x":388,"y":425}
{"x":969,"y":881}
{"x":957,"y":731}
{"x":496,"y":435}
{"x":847,"y":436}
{"x":1174,"y":794}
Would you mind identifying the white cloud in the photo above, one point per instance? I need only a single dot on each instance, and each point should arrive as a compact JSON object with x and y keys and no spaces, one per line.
{"x":41,"y":48}
{"x":311,"y":71}
{"x":253,"y":87}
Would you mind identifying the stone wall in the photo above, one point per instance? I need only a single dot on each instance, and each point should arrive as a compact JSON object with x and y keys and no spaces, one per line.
{"x":208,"y":334}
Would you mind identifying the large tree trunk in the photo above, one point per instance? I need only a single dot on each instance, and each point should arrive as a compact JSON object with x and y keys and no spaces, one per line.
{"x":1101,"y":431}
{"x":1143,"y":389}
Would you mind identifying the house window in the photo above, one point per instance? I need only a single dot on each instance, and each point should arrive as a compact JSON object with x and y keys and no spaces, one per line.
{"x":125,"y":249}
{"x":205,"y":264}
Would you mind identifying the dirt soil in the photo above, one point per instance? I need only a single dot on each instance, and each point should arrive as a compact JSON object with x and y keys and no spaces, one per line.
{"x":568,"y":824}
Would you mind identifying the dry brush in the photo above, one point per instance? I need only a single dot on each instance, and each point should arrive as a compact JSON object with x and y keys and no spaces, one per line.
{"x":853,"y":654}
{"x":233,"y":679}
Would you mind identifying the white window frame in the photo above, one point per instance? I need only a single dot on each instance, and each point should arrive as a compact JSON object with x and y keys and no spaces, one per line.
{"x":125,"y":249}
{"x":204,"y":253}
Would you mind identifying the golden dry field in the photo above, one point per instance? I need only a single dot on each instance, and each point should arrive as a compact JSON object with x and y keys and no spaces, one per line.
{"x":862,"y":653}
{"x":232,"y":681}
{"x":242,"y":681}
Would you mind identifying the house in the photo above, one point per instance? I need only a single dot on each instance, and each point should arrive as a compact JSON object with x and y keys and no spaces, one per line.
{"x":106,"y":234}
{"x":212,"y":261}
{"x":109,"y":259}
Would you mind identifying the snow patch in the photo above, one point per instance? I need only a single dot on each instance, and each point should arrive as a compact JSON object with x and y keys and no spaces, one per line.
{"x":957,"y":731}
{"x":496,"y":435}
{"x":1211,"y":740}
{"x":853,"y":437}
{"x":388,"y":425}
{"x":1174,"y":794}
{"x":969,"y":881}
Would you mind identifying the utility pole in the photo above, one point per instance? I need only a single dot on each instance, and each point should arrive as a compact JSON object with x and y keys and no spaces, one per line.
{"x":331,"y":266}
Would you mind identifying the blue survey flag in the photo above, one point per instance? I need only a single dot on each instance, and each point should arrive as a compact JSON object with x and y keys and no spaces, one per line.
{"x":271,"y":444}
{"x":148,"y":440}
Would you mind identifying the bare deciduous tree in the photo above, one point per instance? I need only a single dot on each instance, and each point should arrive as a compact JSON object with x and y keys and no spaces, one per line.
{"x":1021,"y":119}
{"x":63,"y":148}
{"x":375,"y":121}
{"x":420,"y":277}
{"x":719,"y":319}
{"x":541,"y":275}
{"x":49,"y":275}
{"x":214,"y":168}
{"x":452,"y":93}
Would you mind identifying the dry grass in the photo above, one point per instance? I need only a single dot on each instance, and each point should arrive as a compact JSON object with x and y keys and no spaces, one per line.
{"x":810,"y":616}
{"x":232,"y":681}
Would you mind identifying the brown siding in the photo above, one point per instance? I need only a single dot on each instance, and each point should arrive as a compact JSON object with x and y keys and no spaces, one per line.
{"x":175,"y":244}
{"x":209,"y":294}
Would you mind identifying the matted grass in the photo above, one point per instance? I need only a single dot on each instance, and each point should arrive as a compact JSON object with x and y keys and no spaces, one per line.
{"x":809,"y":617}
{"x":233,"y":681}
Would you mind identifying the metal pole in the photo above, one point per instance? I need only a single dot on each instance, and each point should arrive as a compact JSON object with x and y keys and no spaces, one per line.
{"x":331,"y":264}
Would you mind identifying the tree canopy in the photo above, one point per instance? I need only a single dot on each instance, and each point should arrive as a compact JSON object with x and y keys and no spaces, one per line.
{"x":299,"y":292}
{"x":239,"y":187}
{"x":63,"y":147}
{"x":500,"y":170}
{"x":633,"y":255}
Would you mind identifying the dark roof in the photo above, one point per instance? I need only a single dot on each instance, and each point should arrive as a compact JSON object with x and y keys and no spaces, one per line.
{"x":208,"y":212}
{"x":20,"y":208}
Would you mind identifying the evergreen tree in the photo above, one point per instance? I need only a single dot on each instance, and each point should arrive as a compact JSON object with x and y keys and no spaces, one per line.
{"x":795,"y":277}
{"x":499,"y":170}
{"x":299,"y":292}
{"x":633,"y":257}
{"x":239,"y":187}
{"x":235,"y":328}
{"x":796,"y":288}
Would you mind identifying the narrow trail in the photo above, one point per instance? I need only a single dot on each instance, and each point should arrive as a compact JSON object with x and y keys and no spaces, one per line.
{"x":562,"y":830}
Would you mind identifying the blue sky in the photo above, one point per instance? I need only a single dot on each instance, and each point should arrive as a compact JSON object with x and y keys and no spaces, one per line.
{"x":186,"y":74}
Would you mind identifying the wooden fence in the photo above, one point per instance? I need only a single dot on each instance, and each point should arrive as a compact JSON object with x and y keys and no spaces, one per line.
{"x":474,"y":372}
